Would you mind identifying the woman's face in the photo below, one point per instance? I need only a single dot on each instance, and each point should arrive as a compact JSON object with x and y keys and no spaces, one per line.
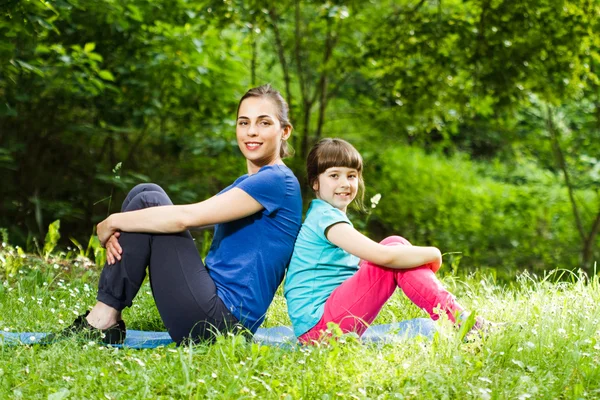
{"x":259,"y":132}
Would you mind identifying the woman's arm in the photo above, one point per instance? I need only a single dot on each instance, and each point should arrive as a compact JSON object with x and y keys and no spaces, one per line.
{"x":229,"y":206}
{"x":346,"y":237}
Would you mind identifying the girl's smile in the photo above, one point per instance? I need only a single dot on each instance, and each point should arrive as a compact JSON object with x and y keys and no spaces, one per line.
{"x":337,"y":186}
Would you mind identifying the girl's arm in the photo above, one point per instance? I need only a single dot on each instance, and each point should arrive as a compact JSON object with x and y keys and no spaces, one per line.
{"x":347,"y":238}
{"x":229,"y":206}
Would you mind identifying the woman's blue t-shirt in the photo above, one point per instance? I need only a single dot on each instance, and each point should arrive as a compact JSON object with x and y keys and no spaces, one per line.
{"x":248,"y":257}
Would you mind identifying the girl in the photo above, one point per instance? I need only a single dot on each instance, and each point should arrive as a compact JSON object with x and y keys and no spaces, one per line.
{"x":326,"y":282}
{"x":257,"y":219}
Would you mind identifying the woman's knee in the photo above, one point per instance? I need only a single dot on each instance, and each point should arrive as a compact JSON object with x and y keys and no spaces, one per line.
{"x":146,"y":187}
{"x":395,"y":240}
{"x":148,"y":199}
{"x":134,"y":196}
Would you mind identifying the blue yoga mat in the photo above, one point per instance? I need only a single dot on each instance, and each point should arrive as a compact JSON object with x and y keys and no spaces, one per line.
{"x":282,"y":336}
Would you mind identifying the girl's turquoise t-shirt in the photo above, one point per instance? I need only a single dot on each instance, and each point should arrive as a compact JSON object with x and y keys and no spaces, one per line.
{"x":317,"y":267}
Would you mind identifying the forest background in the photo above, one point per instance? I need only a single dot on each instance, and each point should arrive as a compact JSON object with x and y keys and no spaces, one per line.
{"x":479,"y":120}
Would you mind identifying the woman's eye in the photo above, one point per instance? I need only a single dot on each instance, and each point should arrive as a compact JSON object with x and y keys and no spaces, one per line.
{"x":265,"y":123}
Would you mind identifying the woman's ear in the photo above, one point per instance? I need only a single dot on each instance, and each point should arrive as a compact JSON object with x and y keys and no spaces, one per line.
{"x":287,"y":132}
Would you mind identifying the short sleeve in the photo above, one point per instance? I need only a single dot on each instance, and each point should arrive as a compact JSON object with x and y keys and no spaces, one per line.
{"x":267,"y":186}
{"x":328,"y":216}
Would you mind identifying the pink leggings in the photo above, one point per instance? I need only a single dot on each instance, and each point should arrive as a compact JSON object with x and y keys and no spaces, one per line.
{"x":357,"y":301}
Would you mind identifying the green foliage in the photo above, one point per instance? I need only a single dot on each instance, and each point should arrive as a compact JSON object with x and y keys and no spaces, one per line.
{"x":11,"y":258}
{"x":206,"y":241}
{"x":466,"y":326}
{"x":52,"y":238}
{"x":93,"y":246}
{"x":88,"y":85}
{"x":446,"y":203}
{"x":99,"y":252}
{"x":154,"y":86}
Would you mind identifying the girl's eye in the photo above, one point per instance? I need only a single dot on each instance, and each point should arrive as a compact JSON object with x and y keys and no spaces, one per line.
{"x":334,"y":175}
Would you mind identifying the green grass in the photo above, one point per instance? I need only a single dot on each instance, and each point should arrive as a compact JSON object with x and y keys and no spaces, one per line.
{"x":550,"y":348}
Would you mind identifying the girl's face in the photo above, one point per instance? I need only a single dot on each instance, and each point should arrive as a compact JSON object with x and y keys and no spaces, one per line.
{"x":337,"y":186}
{"x":259,"y":133}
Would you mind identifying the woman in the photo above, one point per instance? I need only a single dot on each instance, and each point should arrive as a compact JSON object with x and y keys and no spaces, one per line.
{"x":257,"y":219}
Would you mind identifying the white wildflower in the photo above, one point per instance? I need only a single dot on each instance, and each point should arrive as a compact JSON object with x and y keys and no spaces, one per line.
{"x":375,"y":200}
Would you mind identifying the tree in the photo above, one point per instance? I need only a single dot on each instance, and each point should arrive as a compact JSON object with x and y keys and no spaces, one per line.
{"x":89,"y":85}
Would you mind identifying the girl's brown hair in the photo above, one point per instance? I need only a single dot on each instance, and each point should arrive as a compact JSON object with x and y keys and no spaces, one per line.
{"x":282,"y":112}
{"x":328,"y":153}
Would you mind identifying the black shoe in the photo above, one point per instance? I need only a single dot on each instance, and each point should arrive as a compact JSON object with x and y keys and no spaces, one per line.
{"x":112,"y":335}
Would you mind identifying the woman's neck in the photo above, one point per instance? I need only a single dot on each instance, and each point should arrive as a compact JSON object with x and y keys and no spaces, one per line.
{"x":254,"y":168}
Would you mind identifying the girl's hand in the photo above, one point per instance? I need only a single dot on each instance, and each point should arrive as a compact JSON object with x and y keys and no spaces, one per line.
{"x":104,"y":231}
{"x":113,"y":249}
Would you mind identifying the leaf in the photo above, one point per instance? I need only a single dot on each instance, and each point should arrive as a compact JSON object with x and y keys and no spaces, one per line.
{"x":466,"y":325}
{"x":106,"y":75}
{"x":89,"y":47}
{"x":50,"y":7}
{"x":61,"y":394}
{"x":30,"y":67}
{"x":135,"y":13}
{"x":79,"y":246}
{"x":8,"y":111}
{"x":95,"y":57}
{"x":51,"y":238}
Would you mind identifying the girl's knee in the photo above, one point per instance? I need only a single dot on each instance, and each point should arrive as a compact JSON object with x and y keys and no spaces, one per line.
{"x":395,"y":240}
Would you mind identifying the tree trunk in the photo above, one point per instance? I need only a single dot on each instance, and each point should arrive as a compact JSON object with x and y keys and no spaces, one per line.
{"x":588,"y":246}
{"x":284,"y":67}
{"x":253,"y":61}
{"x":588,"y":239}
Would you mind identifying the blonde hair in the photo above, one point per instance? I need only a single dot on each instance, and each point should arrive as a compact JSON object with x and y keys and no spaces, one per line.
{"x":328,"y":153}
{"x":282,"y":112}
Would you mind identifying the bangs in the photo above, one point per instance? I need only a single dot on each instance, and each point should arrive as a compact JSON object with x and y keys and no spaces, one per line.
{"x":338,"y":154}
{"x":329,"y":153}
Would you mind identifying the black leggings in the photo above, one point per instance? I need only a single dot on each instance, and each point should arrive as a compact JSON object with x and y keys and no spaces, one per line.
{"x":184,"y":292}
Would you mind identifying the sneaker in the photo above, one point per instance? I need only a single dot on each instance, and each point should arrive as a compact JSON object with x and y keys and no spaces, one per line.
{"x":111,"y":335}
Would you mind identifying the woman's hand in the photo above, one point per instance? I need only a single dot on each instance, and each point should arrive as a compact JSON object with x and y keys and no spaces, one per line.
{"x":113,"y":249}
{"x":104,"y":230}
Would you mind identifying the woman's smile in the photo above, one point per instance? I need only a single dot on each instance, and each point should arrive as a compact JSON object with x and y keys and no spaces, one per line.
{"x":252,"y":145}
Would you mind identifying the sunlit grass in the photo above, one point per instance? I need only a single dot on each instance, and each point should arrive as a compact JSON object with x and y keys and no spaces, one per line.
{"x":549,"y":349}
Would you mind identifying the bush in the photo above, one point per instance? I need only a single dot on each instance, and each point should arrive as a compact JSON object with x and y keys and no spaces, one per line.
{"x":434,"y":200}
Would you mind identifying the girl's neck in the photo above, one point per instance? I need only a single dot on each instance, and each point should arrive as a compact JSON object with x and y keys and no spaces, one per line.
{"x":344,"y":210}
